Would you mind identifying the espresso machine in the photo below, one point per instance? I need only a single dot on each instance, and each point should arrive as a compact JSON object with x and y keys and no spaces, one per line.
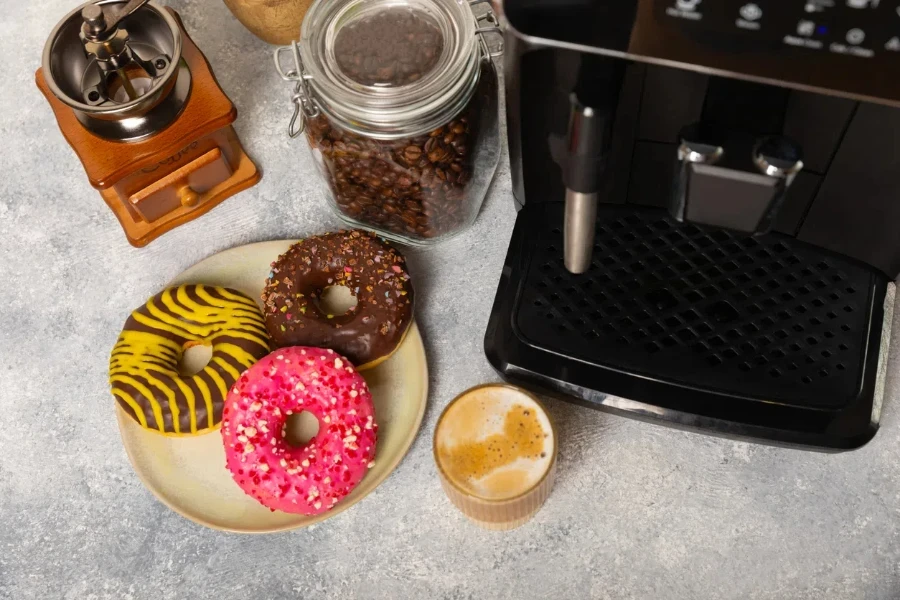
{"x":709,"y":197}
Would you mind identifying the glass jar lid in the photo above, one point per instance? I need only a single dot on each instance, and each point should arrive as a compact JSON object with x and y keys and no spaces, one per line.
{"x":390,"y":68}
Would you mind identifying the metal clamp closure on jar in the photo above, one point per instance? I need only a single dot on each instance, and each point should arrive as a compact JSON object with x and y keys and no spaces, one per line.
{"x":302,"y":96}
{"x":384,"y":112}
{"x":492,"y":26}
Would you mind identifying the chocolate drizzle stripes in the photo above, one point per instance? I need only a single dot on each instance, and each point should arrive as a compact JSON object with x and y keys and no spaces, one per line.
{"x":143,"y":390}
{"x":226,"y":367}
{"x":221,"y":386}
{"x":191,"y":404}
{"x":207,"y":399}
{"x":140,"y":341}
{"x":135,"y":409}
{"x":226,"y":296}
{"x":202,"y":320}
{"x":167,"y":393}
{"x":150,"y":360}
{"x":256,"y":337}
{"x":151,"y":381}
{"x":237,"y":354}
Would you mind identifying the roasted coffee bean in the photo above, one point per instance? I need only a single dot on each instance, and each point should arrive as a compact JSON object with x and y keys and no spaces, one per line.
{"x":412,"y":153}
{"x":438,"y":154}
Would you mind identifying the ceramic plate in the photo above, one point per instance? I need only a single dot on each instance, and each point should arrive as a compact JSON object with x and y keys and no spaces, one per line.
{"x":188,"y":474}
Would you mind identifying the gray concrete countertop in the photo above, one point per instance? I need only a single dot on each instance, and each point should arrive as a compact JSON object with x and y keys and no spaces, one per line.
{"x":639,"y":511}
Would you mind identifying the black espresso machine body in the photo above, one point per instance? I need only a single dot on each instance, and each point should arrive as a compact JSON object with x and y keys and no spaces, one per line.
{"x":709,"y":199}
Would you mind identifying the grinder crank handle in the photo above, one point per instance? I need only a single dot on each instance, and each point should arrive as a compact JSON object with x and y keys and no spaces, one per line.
{"x":98,"y":22}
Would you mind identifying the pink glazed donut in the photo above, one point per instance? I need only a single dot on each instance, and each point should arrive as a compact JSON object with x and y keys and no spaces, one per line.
{"x":313,"y":478}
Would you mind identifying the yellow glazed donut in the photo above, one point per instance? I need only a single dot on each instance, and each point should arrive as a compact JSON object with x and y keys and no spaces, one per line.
{"x":143,"y":368}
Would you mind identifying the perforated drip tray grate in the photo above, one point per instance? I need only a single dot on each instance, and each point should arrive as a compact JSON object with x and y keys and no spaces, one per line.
{"x":764,"y":317}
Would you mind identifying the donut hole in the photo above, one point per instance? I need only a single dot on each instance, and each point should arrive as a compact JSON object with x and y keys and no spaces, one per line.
{"x":336,"y":300}
{"x":194,"y":358}
{"x":300,"y":428}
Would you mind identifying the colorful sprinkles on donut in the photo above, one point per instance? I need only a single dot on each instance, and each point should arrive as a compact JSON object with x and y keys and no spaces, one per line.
{"x":313,"y":478}
{"x":375,"y":274}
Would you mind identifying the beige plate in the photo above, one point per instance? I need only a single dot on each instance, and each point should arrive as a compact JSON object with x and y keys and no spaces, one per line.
{"x":188,"y":474}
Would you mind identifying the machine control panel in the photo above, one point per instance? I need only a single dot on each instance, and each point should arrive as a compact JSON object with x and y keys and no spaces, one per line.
{"x":857,"y":28}
{"x":846,"y":47}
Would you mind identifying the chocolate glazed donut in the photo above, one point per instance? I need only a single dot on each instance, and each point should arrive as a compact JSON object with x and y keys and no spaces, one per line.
{"x":374,"y":272}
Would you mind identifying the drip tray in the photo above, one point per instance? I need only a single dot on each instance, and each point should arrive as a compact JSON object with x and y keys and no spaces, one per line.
{"x":763,"y":336}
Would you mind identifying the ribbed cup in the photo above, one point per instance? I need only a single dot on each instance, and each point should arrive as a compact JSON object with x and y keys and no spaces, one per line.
{"x":492,"y":513}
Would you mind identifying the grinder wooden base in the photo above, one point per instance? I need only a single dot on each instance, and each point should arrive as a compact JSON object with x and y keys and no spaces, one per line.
{"x":157,"y":183}
{"x":193,"y":204}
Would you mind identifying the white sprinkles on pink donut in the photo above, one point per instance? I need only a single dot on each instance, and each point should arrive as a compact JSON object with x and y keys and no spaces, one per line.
{"x":313,"y":478}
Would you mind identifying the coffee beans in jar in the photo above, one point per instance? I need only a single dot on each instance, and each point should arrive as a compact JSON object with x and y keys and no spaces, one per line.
{"x":413,"y":156}
{"x":416,"y":186}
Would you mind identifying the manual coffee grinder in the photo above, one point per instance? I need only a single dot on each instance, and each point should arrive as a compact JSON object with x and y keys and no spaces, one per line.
{"x":139,"y":104}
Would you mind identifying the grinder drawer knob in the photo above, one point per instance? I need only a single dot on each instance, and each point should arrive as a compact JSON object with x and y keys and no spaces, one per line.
{"x":188,"y":196}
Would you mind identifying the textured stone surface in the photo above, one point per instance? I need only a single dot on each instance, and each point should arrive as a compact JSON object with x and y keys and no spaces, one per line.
{"x":639,"y":511}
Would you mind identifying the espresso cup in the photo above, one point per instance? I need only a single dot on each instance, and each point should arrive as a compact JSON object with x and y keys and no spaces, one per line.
{"x":495,"y":450}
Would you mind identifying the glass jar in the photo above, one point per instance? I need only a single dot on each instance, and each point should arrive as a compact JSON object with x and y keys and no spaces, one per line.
{"x":398,"y":99}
